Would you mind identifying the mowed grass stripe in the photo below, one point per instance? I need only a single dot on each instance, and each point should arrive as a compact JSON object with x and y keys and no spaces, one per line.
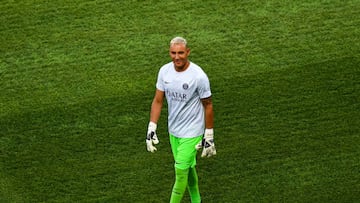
{"x":77,"y":79}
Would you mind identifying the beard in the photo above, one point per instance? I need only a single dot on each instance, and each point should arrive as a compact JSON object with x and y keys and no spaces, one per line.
{"x":180,"y":65}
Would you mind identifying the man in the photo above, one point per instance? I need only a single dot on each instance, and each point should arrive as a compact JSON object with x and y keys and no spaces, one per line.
{"x":190,"y":117}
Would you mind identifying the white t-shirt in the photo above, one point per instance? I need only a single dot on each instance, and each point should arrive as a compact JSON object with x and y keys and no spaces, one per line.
{"x":183,"y":91}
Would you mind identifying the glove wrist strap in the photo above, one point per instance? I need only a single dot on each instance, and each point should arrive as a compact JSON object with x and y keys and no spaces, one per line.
{"x":152,"y":126}
{"x":209,"y":133}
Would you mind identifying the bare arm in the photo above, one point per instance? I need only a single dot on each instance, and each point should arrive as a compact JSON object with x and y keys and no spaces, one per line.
{"x":207,"y":143}
{"x":209,"y":114}
{"x":156,"y":106}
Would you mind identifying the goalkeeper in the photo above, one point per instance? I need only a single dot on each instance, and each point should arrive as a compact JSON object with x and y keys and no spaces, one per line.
{"x":186,"y":88}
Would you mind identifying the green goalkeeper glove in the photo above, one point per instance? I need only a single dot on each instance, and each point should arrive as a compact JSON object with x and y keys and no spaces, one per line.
{"x":151,"y":137}
{"x":207,"y":144}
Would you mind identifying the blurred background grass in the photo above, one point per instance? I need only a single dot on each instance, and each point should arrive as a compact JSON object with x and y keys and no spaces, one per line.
{"x":78,"y":77}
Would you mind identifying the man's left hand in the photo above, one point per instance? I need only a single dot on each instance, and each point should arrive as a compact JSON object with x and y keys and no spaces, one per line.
{"x":207,"y":144}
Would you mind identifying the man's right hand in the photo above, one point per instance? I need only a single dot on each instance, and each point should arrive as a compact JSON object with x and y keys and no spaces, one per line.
{"x":151,"y":137}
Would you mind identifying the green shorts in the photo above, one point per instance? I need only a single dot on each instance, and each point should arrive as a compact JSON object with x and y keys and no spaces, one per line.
{"x":184,"y":151}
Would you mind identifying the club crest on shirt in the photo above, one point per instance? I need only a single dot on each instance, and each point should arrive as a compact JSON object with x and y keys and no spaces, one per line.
{"x":185,"y":86}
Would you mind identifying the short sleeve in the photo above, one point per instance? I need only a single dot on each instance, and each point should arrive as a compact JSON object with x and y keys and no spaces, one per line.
{"x":204,"y":87}
{"x":160,"y":81}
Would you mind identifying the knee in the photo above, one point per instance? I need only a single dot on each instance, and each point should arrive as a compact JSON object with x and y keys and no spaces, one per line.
{"x":181,"y":174}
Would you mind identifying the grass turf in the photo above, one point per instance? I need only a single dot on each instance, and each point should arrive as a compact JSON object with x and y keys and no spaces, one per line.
{"x":77,"y":79}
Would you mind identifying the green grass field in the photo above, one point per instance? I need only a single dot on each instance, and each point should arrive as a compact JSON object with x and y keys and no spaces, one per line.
{"x":78,"y":77}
